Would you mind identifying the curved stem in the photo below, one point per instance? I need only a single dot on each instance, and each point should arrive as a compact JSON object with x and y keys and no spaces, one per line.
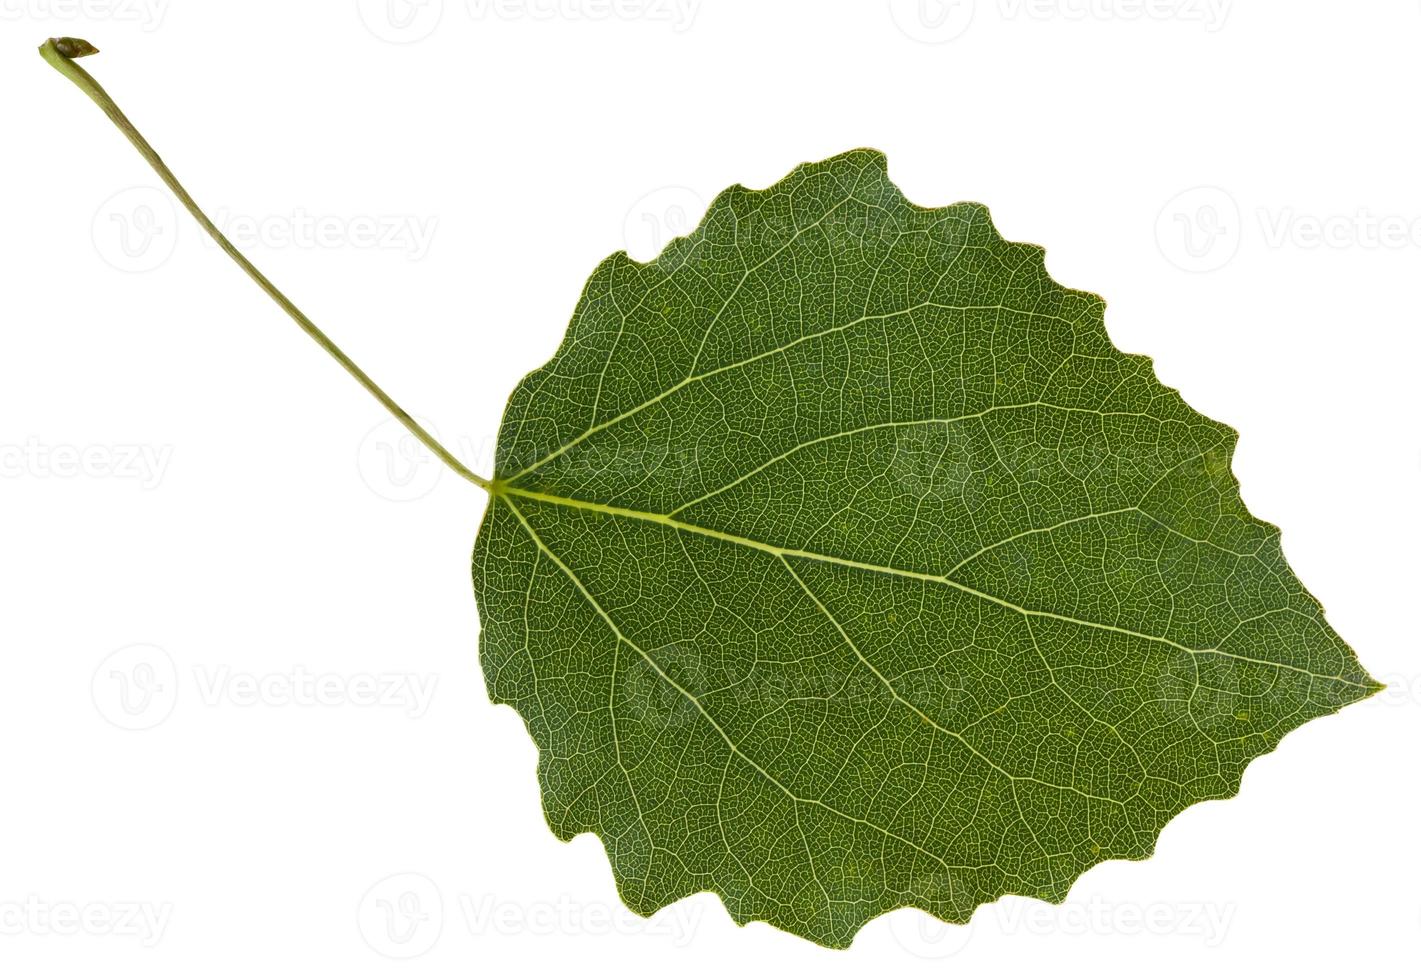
{"x":61,"y":52}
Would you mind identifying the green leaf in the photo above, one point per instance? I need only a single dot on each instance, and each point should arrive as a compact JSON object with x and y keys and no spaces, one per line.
{"x":838,"y":562}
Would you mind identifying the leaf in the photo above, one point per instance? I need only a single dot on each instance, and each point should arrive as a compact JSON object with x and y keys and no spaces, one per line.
{"x":838,"y":562}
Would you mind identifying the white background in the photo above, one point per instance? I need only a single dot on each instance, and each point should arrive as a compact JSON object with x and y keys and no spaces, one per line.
{"x":205,"y":523}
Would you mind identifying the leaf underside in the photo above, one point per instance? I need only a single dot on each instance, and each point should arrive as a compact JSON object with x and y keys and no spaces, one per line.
{"x":838,"y":562}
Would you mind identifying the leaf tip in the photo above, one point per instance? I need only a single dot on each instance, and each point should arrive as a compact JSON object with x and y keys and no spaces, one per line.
{"x":68,"y":47}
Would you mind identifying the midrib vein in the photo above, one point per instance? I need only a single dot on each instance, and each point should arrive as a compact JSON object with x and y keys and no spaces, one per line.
{"x":505,"y":491}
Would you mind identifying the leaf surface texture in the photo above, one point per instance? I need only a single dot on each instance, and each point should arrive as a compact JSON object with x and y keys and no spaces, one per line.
{"x":838,"y":562}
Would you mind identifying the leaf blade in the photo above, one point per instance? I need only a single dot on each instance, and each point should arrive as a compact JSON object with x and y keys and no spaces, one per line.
{"x":842,"y":563}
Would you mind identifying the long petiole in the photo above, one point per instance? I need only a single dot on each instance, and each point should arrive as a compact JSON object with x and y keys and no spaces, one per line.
{"x":61,"y":52}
